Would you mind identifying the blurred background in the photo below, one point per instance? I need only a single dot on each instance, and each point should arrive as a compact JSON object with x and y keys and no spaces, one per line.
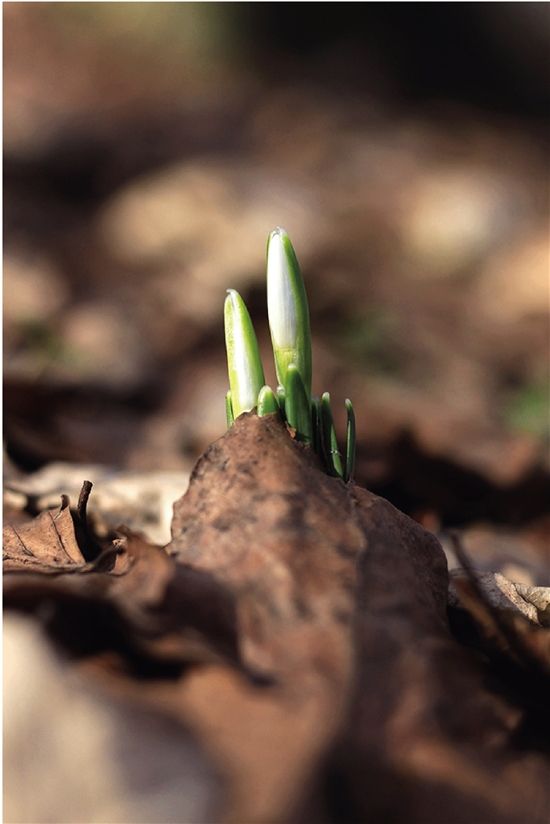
{"x":149,"y":149}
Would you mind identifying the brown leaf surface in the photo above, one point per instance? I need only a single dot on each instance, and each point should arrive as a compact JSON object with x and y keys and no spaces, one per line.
{"x":342,"y":600}
{"x":46,"y":544}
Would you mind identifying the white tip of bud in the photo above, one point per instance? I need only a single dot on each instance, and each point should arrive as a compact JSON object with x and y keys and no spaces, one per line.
{"x":281,"y":303}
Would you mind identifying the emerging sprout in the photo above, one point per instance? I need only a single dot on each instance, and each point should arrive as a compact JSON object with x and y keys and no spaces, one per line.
{"x":287,"y":310}
{"x":244,"y":366}
{"x":291,"y":340}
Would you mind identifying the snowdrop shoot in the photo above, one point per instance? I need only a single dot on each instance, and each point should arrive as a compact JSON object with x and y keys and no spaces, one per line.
{"x":288,"y":314}
{"x":287,"y":310}
{"x":244,"y":366}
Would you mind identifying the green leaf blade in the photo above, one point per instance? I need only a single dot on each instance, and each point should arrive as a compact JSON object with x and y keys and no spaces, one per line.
{"x":350,"y":442}
{"x":329,"y":438}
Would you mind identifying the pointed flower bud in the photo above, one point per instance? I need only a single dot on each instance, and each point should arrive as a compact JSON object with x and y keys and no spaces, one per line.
{"x":287,"y":310}
{"x":244,"y":366}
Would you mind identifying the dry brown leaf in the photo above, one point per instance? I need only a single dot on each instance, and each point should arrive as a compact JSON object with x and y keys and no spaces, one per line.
{"x":539,"y":597}
{"x":500,"y":592}
{"x":342,"y":600}
{"x":46,"y":544}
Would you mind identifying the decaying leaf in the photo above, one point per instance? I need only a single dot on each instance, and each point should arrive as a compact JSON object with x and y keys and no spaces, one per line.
{"x":46,"y":544}
{"x":539,"y":597}
{"x":141,"y":500}
{"x":341,"y":599}
{"x":499,"y":592}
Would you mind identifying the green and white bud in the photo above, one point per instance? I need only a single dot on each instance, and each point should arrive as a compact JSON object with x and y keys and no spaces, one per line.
{"x":287,"y":310}
{"x":244,"y":366}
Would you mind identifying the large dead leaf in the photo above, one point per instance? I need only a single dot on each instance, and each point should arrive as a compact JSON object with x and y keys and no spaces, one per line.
{"x":341,"y":600}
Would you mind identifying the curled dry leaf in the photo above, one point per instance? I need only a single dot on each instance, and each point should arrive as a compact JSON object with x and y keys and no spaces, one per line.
{"x":141,"y":500}
{"x":46,"y":544}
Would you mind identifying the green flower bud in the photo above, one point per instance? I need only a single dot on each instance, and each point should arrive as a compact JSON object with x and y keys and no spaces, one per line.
{"x":287,"y":310}
{"x":244,"y":366}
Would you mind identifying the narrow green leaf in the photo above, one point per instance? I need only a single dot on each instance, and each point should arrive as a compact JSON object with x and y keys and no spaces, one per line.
{"x":329,"y":438}
{"x":297,"y":405}
{"x":244,"y":366}
{"x":229,"y":409}
{"x":287,"y":310}
{"x":350,"y":442}
{"x":267,"y":402}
